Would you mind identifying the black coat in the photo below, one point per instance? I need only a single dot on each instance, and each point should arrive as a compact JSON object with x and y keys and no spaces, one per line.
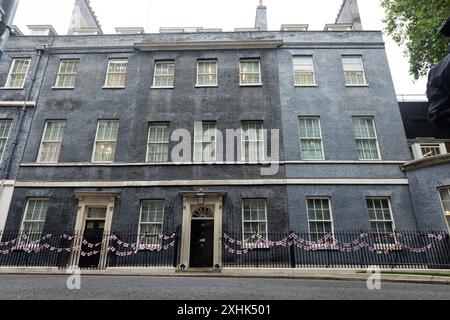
{"x":438,"y":92}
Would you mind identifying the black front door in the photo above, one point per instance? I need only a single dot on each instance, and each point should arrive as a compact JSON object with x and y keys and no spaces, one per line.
{"x":93,"y":234}
{"x":202,"y":243}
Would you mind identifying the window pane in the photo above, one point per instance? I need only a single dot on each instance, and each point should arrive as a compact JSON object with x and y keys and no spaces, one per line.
{"x":353,"y":70}
{"x":445,"y":197}
{"x":158,"y":143}
{"x":67,"y":74}
{"x":151,"y":221}
{"x":106,"y":137}
{"x":380,"y":218}
{"x":204,"y":141}
{"x":304,"y":70}
{"x":34,"y":218}
{"x":207,"y":73}
{"x":5,"y":126}
{"x":250,"y":72}
{"x":310,"y":139}
{"x":252,"y":141}
{"x":116,"y":75}
{"x":366,"y":138}
{"x":164,"y":74}
{"x":319,"y":216}
{"x":18,"y":73}
{"x":254,"y":217}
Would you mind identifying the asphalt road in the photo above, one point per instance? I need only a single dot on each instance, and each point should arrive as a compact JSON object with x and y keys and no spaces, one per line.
{"x":189,"y":288}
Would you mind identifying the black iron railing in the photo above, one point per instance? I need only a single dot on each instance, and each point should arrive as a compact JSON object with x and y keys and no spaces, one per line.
{"x":91,"y":249}
{"x":342,"y":249}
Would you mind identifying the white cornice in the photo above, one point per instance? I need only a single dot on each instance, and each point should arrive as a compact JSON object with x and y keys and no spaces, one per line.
{"x":189,"y":163}
{"x":246,"y":182}
{"x":207,"y":45}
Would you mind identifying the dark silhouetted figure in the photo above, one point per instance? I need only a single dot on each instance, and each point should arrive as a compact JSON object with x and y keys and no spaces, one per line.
{"x":438,"y":89}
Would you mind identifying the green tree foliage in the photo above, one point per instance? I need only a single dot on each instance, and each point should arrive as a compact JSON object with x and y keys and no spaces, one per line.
{"x":416,"y":24}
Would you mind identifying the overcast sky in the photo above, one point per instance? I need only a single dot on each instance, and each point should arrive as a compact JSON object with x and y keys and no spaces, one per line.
{"x":225,"y":14}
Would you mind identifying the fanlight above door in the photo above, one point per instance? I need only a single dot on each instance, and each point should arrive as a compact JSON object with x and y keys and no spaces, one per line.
{"x":203,"y":212}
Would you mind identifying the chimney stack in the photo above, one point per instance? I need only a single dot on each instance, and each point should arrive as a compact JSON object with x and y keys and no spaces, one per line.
{"x":261,"y":17}
{"x":349,"y":14}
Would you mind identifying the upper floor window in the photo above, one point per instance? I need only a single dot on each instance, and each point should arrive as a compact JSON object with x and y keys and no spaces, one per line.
{"x":204,"y":141}
{"x":206,"y":73}
{"x":151,"y":222}
{"x":319,"y":217}
{"x":5,"y":126}
{"x":67,"y":74}
{"x":354,"y":71}
{"x":311,"y":147}
{"x":34,"y":218}
{"x":250,"y":72}
{"x":18,"y":73}
{"x":366,"y":138}
{"x":164,"y":74}
{"x":254,"y":218}
{"x":304,"y":71}
{"x":445,"y":198}
{"x":52,"y":141}
{"x":252,"y":146}
{"x":105,"y":141}
{"x":425,"y":150}
{"x":380,"y":218}
{"x":158,"y":142}
{"x":116,"y":74}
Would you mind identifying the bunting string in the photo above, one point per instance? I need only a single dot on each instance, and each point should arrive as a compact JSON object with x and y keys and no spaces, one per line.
{"x":329,"y":242}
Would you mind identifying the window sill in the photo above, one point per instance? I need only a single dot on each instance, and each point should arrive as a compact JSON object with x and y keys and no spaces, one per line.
{"x":357,"y":85}
{"x":8,"y":88}
{"x":63,"y":88}
{"x":168,"y":87}
{"x":306,"y":85}
{"x":102,"y":162}
{"x":374,"y":160}
{"x":251,"y":85}
{"x":209,"y":86}
{"x":106,"y":87}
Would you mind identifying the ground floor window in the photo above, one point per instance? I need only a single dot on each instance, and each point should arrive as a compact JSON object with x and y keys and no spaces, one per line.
{"x":380,"y":217}
{"x":34,"y":218}
{"x":445,"y":198}
{"x":254,"y":218}
{"x":151,"y":221}
{"x":319,"y":217}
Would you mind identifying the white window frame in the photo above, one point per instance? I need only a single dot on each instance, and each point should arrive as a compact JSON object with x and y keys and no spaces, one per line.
{"x":383,"y":245}
{"x":116,"y":60}
{"x":42,"y":142}
{"x":263,"y":142}
{"x":321,"y":137}
{"x":314,"y":84}
{"x":95,"y":141}
{"x":22,"y":230}
{"x":154,"y":86}
{"x":148,"y":140}
{"x":198,"y":125}
{"x":359,"y":138}
{"x":2,"y":152}
{"x":417,"y":148}
{"x":446,"y":212}
{"x":327,"y":198}
{"x":8,"y":79}
{"x":250,"y":244}
{"x":259,"y":71}
{"x":144,"y":244}
{"x":216,"y":73}
{"x":74,"y":74}
{"x":365,"y":84}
